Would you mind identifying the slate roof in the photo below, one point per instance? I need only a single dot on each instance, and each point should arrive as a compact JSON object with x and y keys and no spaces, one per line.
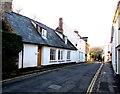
{"x":22,"y":26}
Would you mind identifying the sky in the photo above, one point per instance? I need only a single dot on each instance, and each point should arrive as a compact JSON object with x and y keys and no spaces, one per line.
{"x":92,"y":18}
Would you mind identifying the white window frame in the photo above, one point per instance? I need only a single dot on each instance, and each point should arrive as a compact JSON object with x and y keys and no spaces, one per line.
{"x":39,"y":29}
{"x":44,"y":33}
{"x":34,"y":24}
{"x":68,"y":55}
{"x":53,"y":54}
{"x":66,"y":39}
{"x":60,"y":55}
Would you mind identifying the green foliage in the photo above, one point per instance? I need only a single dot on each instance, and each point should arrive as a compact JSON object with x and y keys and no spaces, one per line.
{"x":96,"y":56}
{"x":11,"y":46}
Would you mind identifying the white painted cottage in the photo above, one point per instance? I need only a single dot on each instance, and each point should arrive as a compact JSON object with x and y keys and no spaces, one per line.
{"x":74,"y":38}
{"x":41,"y":44}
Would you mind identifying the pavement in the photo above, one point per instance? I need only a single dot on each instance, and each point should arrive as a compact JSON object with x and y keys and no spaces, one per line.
{"x":107,"y":82}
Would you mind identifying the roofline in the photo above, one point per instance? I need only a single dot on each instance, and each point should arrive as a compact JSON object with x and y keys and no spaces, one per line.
{"x":31,"y":19}
{"x":117,"y":12}
{"x":47,"y":27}
{"x":48,"y":45}
{"x":62,"y":39}
{"x":112,"y":33}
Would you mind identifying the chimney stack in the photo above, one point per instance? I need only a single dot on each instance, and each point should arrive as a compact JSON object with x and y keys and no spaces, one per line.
{"x":60,"y":27}
{"x":7,"y":6}
{"x":60,"y":24}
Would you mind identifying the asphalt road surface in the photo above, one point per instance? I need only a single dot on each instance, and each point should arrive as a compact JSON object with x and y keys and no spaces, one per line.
{"x":70,"y":79}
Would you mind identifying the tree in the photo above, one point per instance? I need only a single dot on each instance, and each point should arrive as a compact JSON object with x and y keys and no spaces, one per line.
{"x":11,"y":46}
{"x":96,"y":53}
{"x":18,"y":10}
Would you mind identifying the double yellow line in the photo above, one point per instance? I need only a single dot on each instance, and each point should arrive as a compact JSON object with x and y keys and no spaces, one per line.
{"x":90,"y":88}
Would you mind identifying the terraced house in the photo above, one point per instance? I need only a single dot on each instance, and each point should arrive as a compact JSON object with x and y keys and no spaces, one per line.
{"x":115,"y":40}
{"x":79,"y":42}
{"x":41,"y":45}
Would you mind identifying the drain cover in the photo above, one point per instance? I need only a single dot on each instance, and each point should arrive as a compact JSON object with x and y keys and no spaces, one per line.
{"x":55,"y":87}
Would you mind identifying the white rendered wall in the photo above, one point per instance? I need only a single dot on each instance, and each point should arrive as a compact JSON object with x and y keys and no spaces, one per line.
{"x":74,"y":56}
{"x":105,"y":54}
{"x":46,"y":56}
{"x":30,"y":55}
{"x":74,"y":39}
{"x":82,"y":50}
{"x":20,"y":60}
{"x":118,"y":30}
{"x":115,"y":43}
{"x":114,"y":53}
{"x":117,"y":51}
{"x":118,"y":37}
{"x":72,"y":36}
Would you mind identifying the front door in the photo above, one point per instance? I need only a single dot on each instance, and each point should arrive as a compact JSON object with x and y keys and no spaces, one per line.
{"x":39,"y":57}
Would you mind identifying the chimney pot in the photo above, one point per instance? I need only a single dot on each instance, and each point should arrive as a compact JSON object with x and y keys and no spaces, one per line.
{"x":76,"y":31}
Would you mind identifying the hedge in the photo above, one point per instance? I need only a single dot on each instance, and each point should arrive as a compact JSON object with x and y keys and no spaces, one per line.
{"x":11,"y":46}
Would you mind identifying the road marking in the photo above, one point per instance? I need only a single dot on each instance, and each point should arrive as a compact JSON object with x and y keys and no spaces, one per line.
{"x":39,"y":72}
{"x":90,"y":88}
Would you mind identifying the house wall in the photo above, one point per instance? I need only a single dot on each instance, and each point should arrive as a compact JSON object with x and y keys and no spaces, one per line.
{"x":106,"y":54}
{"x":70,"y":34}
{"x":46,"y":56}
{"x":115,"y":44}
{"x":30,"y":54}
{"x":73,"y":56}
{"x":114,"y":53}
{"x":20,"y":60}
{"x":82,"y":48}
{"x":118,"y":60}
{"x":80,"y":44}
{"x":118,"y":37}
{"x":119,"y":30}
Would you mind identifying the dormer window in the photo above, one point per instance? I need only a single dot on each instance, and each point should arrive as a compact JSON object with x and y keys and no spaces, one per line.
{"x":44,"y":33}
{"x":39,"y":29}
{"x":65,"y":39}
{"x":34,"y":24}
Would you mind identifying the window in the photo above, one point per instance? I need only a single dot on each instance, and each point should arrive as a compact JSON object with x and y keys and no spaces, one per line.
{"x":41,"y":31}
{"x":60,"y":55}
{"x":34,"y":24}
{"x":68,"y":54}
{"x":65,"y":39}
{"x":44,"y":33}
{"x":52,"y":54}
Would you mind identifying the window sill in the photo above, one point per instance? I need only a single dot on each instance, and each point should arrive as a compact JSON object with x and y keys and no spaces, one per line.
{"x":61,"y":61}
{"x":52,"y":61}
{"x":68,"y":60}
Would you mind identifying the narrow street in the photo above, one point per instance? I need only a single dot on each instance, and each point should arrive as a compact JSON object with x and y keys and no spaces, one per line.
{"x":70,"y":79}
